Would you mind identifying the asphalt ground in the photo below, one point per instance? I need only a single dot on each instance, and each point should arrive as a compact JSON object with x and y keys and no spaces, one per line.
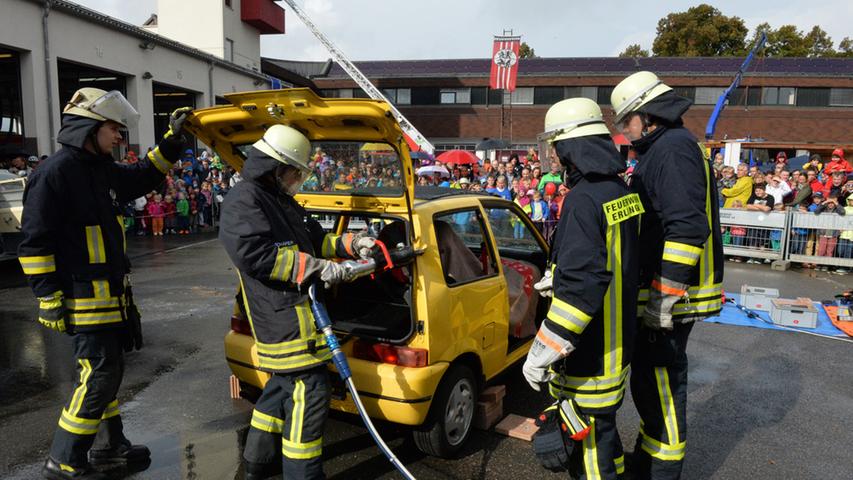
{"x":762,"y":404}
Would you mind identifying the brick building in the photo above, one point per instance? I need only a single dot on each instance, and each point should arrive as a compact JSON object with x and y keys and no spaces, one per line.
{"x":780,"y":99}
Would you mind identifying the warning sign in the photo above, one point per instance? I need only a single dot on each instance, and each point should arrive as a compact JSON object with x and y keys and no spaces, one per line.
{"x":623,"y":208}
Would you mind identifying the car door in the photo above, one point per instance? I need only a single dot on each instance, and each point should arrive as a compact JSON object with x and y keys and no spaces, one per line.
{"x":476,"y":313}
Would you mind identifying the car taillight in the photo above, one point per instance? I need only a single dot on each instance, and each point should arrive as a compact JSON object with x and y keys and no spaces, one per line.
{"x":385,"y":353}
{"x":240,"y":324}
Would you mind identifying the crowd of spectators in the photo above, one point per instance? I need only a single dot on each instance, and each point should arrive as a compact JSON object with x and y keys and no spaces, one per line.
{"x":186,"y":202}
{"x":813,"y":187}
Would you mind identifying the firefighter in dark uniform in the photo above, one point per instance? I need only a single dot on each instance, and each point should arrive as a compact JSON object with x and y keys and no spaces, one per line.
{"x":583,"y":347}
{"x":681,"y":270}
{"x":73,"y":254}
{"x":277,"y":249}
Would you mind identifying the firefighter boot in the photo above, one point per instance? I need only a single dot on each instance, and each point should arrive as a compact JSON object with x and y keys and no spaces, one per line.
{"x":125,"y":453}
{"x":53,"y":470}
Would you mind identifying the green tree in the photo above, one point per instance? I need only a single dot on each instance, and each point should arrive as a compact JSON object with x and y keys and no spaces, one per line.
{"x":700,"y":31}
{"x":819,"y":43}
{"x":845,"y":48}
{"x":634,"y":50}
{"x":524,"y":51}
{"x":786,"y":41}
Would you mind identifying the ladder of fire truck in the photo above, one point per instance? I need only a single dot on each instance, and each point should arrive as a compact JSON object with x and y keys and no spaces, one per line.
{"x":362,"y":80}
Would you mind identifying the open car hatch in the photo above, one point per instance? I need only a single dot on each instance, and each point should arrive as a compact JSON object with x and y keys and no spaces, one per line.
{"x":359,"y":134}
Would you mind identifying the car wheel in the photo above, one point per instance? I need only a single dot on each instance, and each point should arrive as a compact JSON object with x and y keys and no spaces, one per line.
{"x":451,"y":415}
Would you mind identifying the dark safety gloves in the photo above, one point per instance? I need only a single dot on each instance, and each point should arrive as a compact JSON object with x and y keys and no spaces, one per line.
{"x":52,"y":312}
{"x":168,"y":151}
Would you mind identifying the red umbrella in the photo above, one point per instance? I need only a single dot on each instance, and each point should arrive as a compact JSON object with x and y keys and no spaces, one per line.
{"x":458,"y":157}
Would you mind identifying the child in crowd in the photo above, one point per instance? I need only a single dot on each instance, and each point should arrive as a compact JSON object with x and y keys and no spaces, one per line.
{"x":538,"y":210}
{"x":194,"y":213}
{"x":183,"y":208}
{"x":828,"y":238}
{"x":156,"y":212}
{"x":169,"y":214}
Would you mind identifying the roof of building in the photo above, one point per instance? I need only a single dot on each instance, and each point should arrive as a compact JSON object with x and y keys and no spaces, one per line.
{"x":118,"y":25}
{"x":303,"y":69}
{"x":603,"y":66}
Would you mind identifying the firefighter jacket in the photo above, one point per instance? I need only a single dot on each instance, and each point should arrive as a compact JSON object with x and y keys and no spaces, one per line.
{"x":680,"y":230}
{"x":268,"y":237}
{"x":594,"y":260}
{"x":73,"y":230}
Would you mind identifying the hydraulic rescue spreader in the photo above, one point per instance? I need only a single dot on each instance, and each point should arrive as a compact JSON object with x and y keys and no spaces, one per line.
{"x":354,"y":270}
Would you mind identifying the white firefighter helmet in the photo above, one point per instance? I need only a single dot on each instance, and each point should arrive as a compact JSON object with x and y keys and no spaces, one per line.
{"x":101,"y":105}
{"x":635,"y":91}
{"x":287,"y":145}
{"x":572,"y":118}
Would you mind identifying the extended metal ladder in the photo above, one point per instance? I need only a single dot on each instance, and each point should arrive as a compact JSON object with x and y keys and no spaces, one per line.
{"x":362,"y":80}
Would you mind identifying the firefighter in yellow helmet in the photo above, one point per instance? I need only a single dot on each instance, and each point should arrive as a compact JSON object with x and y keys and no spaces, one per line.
{"x":583,"y":347}
{"x":278,"y":250}
{"x":681,"y":270}
{"x":73,"y":254}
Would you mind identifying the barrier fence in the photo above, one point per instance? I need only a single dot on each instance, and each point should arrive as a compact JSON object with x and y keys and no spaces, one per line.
{"x":825,"y":239}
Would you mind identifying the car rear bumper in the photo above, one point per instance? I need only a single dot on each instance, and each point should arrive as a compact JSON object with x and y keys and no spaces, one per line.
{"x":397,"y":394}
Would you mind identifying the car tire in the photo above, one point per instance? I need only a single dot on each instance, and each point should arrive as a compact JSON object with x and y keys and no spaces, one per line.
{"x":451,"y":416}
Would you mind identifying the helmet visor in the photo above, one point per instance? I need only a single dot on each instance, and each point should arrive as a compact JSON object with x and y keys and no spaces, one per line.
{"x":288,"y":159}
{"x":631,"y":104}
{"x":113,"y":106}
{"x":551,"y":135}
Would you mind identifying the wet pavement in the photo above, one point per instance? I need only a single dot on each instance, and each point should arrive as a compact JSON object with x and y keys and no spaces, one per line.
{"x":762,"y":404}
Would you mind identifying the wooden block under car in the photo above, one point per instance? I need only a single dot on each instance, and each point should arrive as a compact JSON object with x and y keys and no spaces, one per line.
{"x":488,"y":414}
{"x":234,"y":383}
{"x":519,"y":427}
{"x":493,"y":394}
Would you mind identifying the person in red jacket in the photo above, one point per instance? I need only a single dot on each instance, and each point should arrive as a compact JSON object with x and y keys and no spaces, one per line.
{"x":838,"y":163}
{"x":814,"y":183}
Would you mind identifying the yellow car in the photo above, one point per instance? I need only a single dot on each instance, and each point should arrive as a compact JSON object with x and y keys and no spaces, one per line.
{"x":422,"y":339}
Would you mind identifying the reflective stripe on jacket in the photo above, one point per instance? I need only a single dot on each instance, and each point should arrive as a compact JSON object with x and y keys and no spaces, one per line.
{"x":74,"y":232}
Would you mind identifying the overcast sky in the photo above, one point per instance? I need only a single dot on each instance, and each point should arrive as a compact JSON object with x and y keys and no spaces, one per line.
{"x":419,"y":29}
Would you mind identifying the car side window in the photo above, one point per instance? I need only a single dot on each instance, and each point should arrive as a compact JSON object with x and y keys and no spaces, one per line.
{"x":462,"y":247}
{"x":510,"y":231}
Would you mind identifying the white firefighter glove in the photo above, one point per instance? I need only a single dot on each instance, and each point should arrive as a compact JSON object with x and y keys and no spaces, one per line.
{"x":547,"y":348}
{"x":663,"y":295}
{"x":545,"y":286}
{"x":332,"y":274}
{"x":363,"y":244}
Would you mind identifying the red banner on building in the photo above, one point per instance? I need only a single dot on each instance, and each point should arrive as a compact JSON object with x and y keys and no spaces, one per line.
{"x":504,"y":63}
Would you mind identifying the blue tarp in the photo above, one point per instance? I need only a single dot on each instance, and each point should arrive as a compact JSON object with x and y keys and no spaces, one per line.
{"x":731,"y":315}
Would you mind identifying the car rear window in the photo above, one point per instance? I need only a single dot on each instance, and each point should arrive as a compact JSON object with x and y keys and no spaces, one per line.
{"x":354,"y":168}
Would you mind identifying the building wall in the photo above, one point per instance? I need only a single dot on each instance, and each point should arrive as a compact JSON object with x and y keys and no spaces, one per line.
{"x":521,"y":123}
{"x":247,"y":41}
{"x":78,"y":40}
{"x":197,"y":23}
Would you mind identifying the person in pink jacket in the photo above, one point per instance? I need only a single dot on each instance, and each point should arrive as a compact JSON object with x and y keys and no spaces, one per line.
{"x":157,"y":211}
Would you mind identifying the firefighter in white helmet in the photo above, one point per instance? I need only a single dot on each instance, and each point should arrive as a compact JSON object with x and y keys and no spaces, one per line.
{"x":73,"y":254}
{"x":583,"y":347}
{"x":278,"y":250}
{"x":681,"y":270}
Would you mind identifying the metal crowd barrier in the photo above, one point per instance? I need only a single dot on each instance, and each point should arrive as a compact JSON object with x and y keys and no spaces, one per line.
{"x":825,"y":239}
{"x":754,"y":234}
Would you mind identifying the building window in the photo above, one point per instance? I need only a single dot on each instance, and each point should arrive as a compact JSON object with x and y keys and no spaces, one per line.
{"x":603,"y":95}
{"x":229,"y":50}
{"x":686,"y":92}
{"x":708,"y":95}
{"x":520,"y":96}
{"x":455,"y":95}
{"x":779,"y":96}
{"x":812,"y":97}
{"x":547,"y":95}
{"x":841,"y":97}
{"x":496,"y":97}
{"x":404,"y":96}
{"x":753,"y":96}
{"x":479,"y":95}
{"x":426,"y":96}
{"x":11,"y":107}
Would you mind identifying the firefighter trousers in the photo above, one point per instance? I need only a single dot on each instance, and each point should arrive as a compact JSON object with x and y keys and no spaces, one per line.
{"x":288,"y":421}
{"x":90,"y":419}
{"x":599,"y":455}
{"x":659,"y":389}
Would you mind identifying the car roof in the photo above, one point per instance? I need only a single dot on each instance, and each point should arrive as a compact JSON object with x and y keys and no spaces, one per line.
{"x":429,"y":193}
